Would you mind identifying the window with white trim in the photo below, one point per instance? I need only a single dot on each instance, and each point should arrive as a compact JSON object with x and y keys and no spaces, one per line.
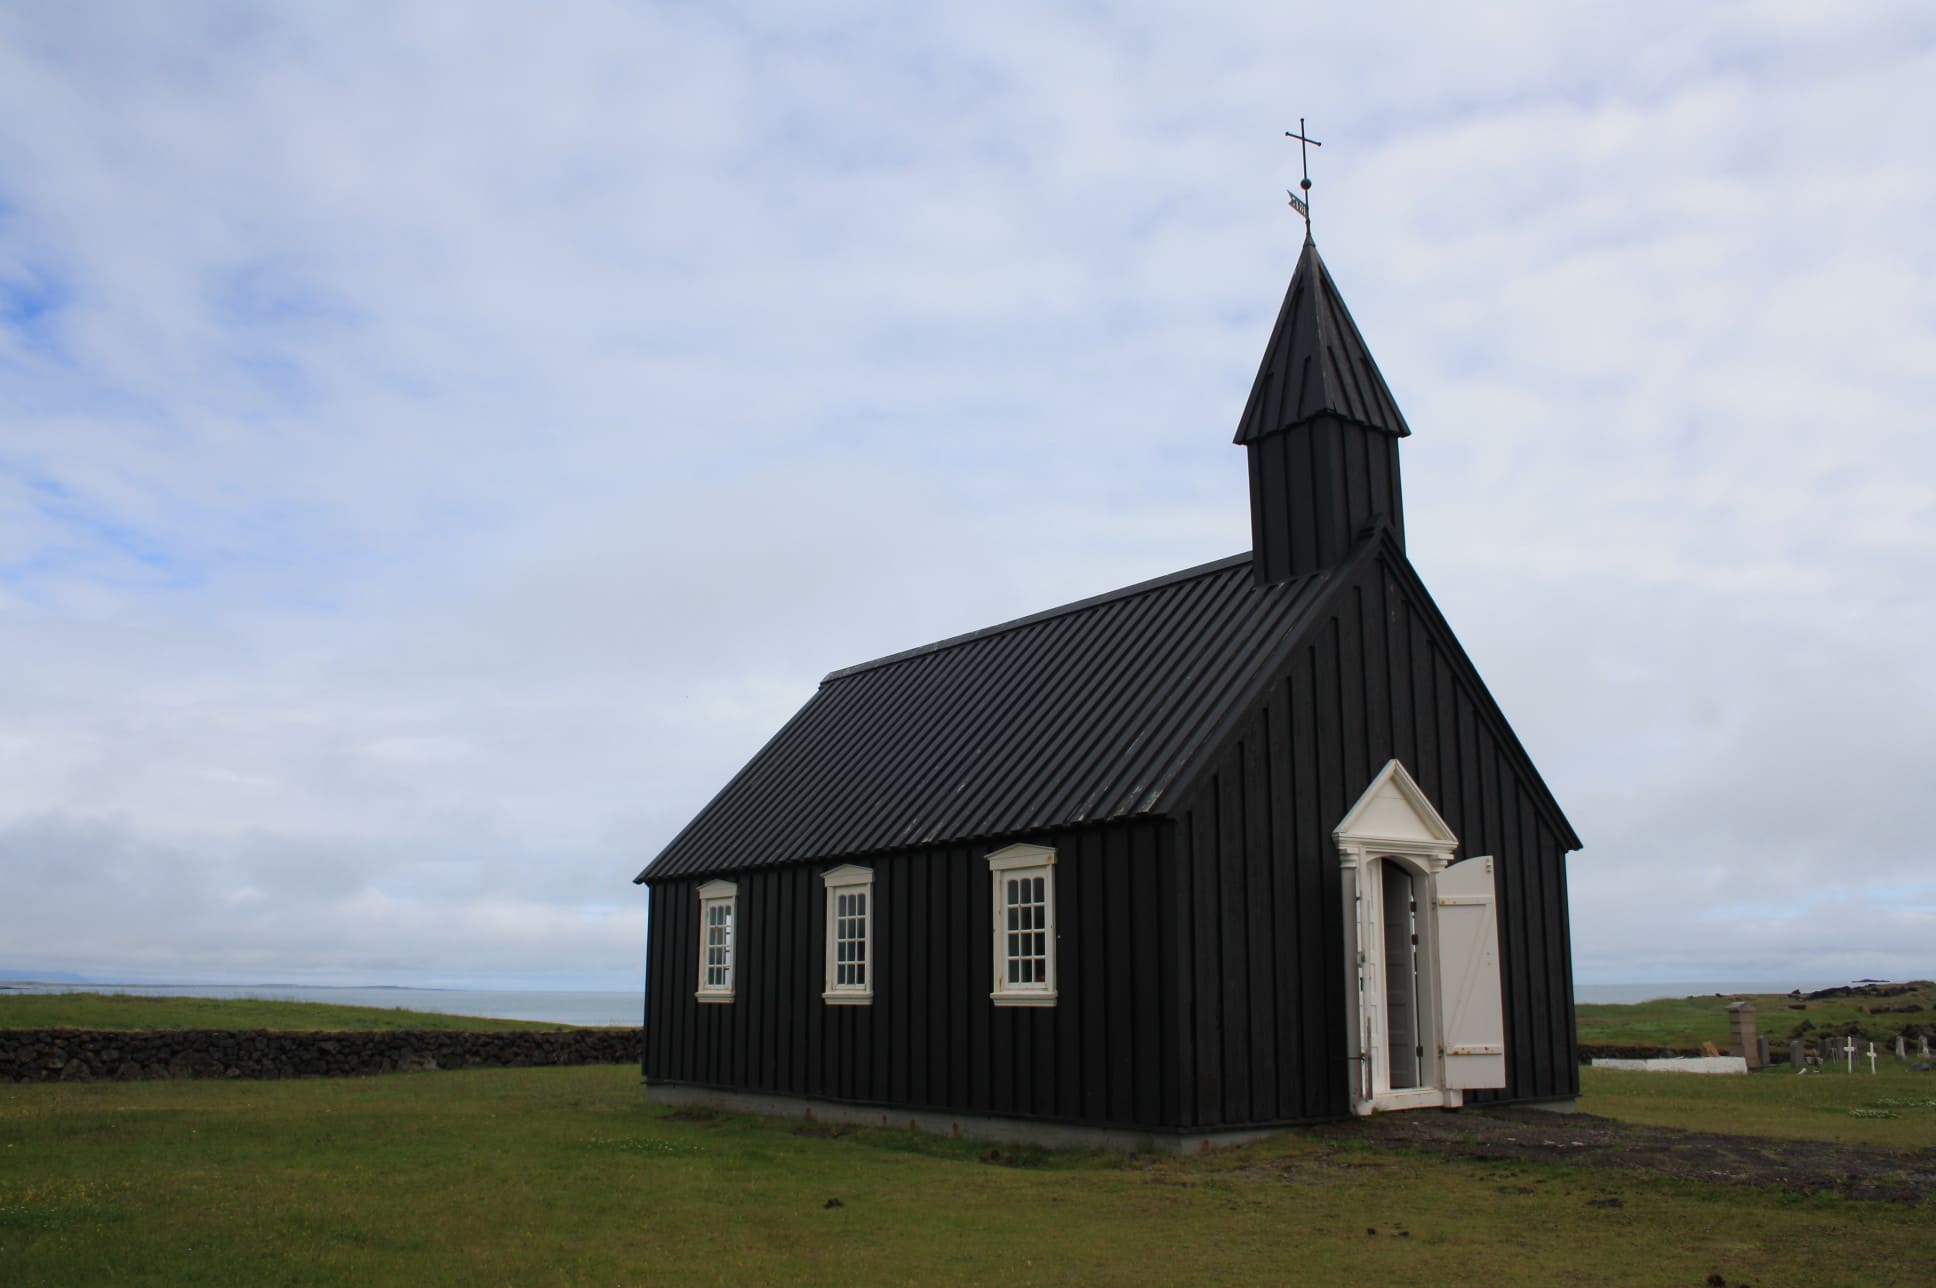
{"x":718,"y":904}
{"x":1024,"y":904}
{"x":850,"y":936}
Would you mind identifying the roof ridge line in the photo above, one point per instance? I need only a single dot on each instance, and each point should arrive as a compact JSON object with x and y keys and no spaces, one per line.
{"x":1046,"y":614}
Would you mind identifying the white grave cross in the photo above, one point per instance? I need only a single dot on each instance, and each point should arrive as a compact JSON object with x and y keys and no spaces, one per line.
{"x":1872,"y":1068}
{"x":1848,"y":1049}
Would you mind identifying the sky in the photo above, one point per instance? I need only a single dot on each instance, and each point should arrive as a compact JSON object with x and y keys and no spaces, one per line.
{"x":439,"y":443}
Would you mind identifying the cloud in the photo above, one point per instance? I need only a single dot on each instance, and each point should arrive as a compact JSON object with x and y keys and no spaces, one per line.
{"x":443,"y":443}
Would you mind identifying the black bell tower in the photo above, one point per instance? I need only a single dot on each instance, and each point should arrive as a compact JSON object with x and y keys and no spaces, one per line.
{"x":1322,"y":432}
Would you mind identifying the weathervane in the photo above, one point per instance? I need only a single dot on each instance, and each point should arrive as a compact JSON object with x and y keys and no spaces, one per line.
{"x":1300,"y":204}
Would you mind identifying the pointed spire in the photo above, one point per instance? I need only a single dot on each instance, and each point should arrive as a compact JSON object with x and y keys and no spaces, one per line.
{"x":1316,"y":363}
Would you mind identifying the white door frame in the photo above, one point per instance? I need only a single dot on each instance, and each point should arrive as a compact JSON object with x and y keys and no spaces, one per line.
{"x":1392,"y":822}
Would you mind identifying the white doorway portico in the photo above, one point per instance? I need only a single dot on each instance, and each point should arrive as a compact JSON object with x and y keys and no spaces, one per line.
{"x":1424,"y":1010}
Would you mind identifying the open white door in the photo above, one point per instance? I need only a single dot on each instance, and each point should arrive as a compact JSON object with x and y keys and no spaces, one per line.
{"x":1468,"y":950}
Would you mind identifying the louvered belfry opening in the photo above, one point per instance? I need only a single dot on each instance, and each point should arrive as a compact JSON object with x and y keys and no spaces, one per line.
{"x":1321,"y":429}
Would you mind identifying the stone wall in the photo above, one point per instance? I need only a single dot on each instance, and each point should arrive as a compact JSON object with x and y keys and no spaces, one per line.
{"x":82,"y":1055}
{"x":1591,"y":1051}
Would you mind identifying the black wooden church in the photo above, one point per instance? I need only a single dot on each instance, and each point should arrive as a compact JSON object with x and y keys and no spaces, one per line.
{"x":1243,"y":846}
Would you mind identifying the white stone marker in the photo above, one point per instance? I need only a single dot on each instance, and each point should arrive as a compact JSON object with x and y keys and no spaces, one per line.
{"x":1924,"y":1039}
{"x":1902,"y":1048}
{"x":1848,"y":1049}
{"x":1872,"y":1057}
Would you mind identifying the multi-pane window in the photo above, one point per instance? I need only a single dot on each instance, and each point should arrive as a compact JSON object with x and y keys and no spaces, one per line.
{"x":1024,"y":905}
{"x":850,"y":934}
{"x":718,"y":902}
{"x":1026,"y":901}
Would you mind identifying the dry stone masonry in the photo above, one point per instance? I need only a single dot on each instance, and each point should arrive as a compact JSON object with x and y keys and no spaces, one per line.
{"x":82,"y":1055}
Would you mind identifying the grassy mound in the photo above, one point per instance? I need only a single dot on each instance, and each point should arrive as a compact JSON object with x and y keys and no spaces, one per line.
{"x":1874,"y":1013}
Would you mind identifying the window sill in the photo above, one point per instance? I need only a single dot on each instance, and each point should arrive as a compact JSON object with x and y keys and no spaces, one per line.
{"x":1022,"y":999}
{"x":847,"y":999}
{"x":714,"y":997}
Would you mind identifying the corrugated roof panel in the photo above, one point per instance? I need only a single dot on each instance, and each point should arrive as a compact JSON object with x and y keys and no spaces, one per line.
{"x":1080,"y":714}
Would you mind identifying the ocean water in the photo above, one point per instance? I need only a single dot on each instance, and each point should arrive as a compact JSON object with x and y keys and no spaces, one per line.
{"x":597,"y":1008}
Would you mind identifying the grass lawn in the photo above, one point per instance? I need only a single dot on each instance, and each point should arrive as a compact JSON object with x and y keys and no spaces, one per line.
{"x":1893,"y":1107}
{"x":1690,"y":1021}
{"x":123,"y":1011}
{"x":566,"y":1175}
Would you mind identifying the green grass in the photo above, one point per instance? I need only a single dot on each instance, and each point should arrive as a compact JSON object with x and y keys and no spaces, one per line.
{"x":537,"y":1176}
{"x":1690,"y":1021}
{"x":1892,"y":1107}
{"x":122,"y":1011}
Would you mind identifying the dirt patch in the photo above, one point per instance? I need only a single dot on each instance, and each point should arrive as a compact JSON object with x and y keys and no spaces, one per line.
{"x":690,"y":1114}
{"x":1585,"y":1140}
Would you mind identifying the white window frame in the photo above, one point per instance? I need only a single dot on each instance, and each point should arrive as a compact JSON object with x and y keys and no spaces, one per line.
{"x":722,"y":895}
{"x":1020,"y":862}
{"x":849,"y":880}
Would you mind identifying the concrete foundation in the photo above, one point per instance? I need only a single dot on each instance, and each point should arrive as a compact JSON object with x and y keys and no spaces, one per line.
{"x":1017,"y":1131}
{"x":1006,"y":1131}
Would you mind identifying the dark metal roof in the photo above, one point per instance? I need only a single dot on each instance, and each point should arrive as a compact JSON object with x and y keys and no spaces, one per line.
{"x":1081,"y":714}
{"x":1316,"y":363}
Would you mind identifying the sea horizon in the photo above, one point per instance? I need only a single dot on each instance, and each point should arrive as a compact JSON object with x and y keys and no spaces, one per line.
{"x":625,"y":1006}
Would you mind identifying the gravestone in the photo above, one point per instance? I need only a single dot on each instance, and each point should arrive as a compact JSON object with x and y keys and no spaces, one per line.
{"x":1741,"y":1032}
{"x":1902,"y":1048}
{"x":1924,"y":1039}
{"x":1797,"y":1056}
{"x":1761,"y":1050}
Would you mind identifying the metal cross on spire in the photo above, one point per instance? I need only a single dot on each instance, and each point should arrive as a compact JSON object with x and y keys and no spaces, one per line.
{"x":1304,"y":145}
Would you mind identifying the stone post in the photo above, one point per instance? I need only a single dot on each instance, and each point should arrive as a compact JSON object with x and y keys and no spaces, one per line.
{"x":1924,"y":1039}
{"x":1902,"y":1048}
{"x":1797,"y":1057}
{"x":1741,"y":1033}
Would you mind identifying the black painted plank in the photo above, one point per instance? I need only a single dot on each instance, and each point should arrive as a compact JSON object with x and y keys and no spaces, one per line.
{"x":1180,"y":1035}
{"x":1406,"y":681}
{"x":923,"y":1003}
{"x":1234,"y":964}
{"x":1281,"y":842}
{"x":820,"y":1056}
{"x":981,"y":1017}
{"x":1207,"y":964}
{"x":1253,"y":843}
{"x":1335,"y":794}
{"x":1090,"y":1017}
{"x":895,"y":987}
{"x":1352,"y":706}
{"x":1307,"y":853}
{"x":1150,"y":1071}
{"x":1115,"y":867}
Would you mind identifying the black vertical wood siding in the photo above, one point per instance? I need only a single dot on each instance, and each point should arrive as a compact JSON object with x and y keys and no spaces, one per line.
{"x":1264,"y":1021}
{"x":1104,"y":1055}
{"x":1314,"y":489}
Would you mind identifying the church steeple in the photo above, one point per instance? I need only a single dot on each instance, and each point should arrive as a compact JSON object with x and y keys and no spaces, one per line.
{"x":1321,"y":429}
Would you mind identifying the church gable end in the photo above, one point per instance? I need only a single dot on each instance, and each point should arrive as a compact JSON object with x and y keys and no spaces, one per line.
{"x":1374,"y":676}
